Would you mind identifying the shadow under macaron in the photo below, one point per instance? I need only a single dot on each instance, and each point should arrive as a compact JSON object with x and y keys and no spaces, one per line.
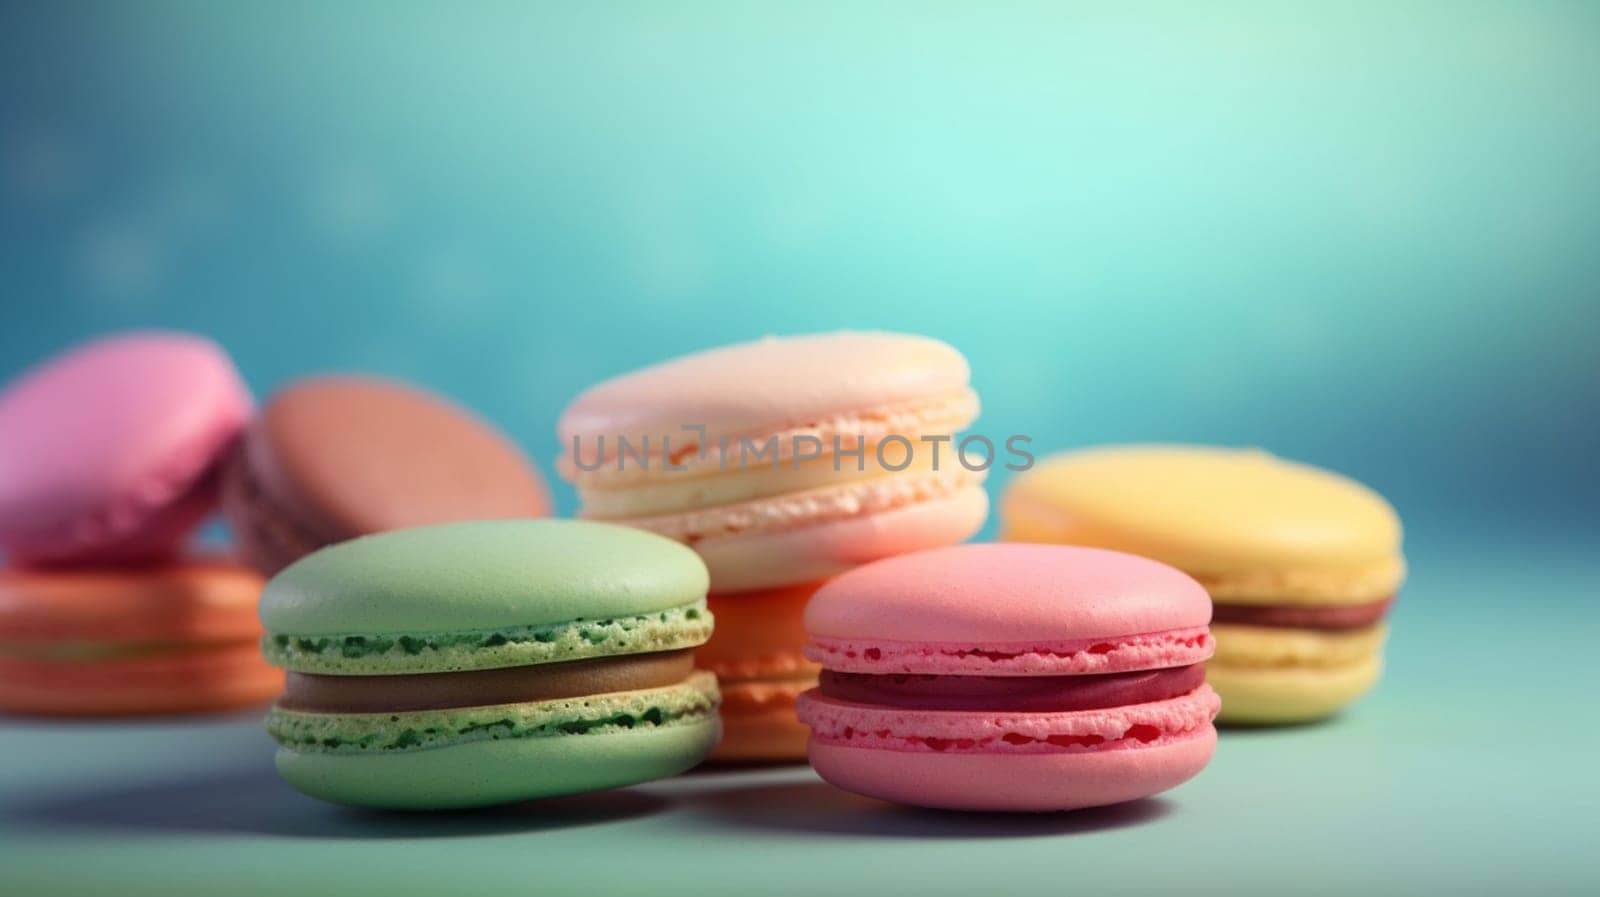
{"x":1242,"y":728}
{"x":807,"y":805}
{"x":256,"y":802}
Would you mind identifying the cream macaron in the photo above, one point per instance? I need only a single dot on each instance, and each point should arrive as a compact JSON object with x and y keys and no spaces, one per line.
{"x":784,"y":460}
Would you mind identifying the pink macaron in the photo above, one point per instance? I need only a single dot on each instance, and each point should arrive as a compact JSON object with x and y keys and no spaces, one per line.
{"x":107,"y":452}
{"x":1010,"y":677}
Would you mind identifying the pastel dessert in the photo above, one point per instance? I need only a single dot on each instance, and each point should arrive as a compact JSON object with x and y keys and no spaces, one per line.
{"x":489,"y":662}
{"x":165,"y":639}
{"x":332,"y":458}
{"x":1010,"y":677}
{"x":107,"y":451}
{"x":756,"y":653}
{"x":764,"y":456}
{"x":1303,"y":564}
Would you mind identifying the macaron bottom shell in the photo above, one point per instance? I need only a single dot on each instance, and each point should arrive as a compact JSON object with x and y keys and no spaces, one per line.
{"x":1282,"y":675}
{"x":131,"y":531}
{"x":1014,"y":782}
{"x":1268,"y":695}
{"x":202,"y":680}
{"x":1036,"y":761}
{"x":485,"y":773}
{"x":765,"y":560}
{"x":437,"y":759}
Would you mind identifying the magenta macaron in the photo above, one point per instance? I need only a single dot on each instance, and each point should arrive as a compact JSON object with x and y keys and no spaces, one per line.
{"x":1010,"y":677}
{"x":107,"y":451}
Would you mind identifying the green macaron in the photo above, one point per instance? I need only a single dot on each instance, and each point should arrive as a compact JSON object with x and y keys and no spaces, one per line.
{"x":482,"y":663}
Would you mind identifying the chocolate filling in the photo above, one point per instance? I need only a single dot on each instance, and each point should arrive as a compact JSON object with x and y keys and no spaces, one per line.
{"x":1351,"y":616}
{"x":1014,"y":694}
{"x":510,"y":685}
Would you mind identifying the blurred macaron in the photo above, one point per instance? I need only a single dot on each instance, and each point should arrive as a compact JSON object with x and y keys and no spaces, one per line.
{"x":176,"y":637}
{"x":1302,"y":563}
{"x":107,"y":451}
{"x":333,"y":458}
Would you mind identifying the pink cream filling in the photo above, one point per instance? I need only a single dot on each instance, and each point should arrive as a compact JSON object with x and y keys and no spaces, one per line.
{"x":1014,"y":694}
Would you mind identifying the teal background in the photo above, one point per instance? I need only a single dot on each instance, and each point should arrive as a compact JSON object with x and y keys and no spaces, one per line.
{"x":1359,"y":234}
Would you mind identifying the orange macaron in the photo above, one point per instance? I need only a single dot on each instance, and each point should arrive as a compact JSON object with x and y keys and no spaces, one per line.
{"x":755,"y":652}
{"x":172,"y":638}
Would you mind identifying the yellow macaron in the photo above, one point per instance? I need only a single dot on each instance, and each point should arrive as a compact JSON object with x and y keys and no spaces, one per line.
{"x":1301,"y":563}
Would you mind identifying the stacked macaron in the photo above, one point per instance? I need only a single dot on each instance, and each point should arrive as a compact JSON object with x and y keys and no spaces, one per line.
{"x":1010,"y":677}
{"x":1303,"y":564}
{"x":108,"y":461}
{"x":174,"y":637}
{"x":333,"y":458}
{"x":755,"y":653}
{"x":781,"y":462}
{"x":480,"y":663}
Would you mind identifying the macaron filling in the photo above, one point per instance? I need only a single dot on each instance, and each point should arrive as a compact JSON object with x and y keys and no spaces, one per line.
{"x":689,"y":702}
{"x":1301,"y":616}
{"x":599,"y":467}
{"x":436,"y":691}
{"x":685,"y":626}
{"x":1015,"y":694}
{"x":791,"y":510}
{"x":748,"y":479}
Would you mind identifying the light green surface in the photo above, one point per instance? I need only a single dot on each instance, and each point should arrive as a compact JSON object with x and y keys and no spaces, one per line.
{"x":1471,"y":770}
{"x":486,"y":575}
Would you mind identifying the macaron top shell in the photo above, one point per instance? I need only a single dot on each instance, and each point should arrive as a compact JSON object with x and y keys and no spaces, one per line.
{"x":94,"y":440}
{"x":1208,"y":510}
{"x":768,"y":385}
{"x":481,"y":576}
{"x":1000,"y":593}
{"x":356,"y":455}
